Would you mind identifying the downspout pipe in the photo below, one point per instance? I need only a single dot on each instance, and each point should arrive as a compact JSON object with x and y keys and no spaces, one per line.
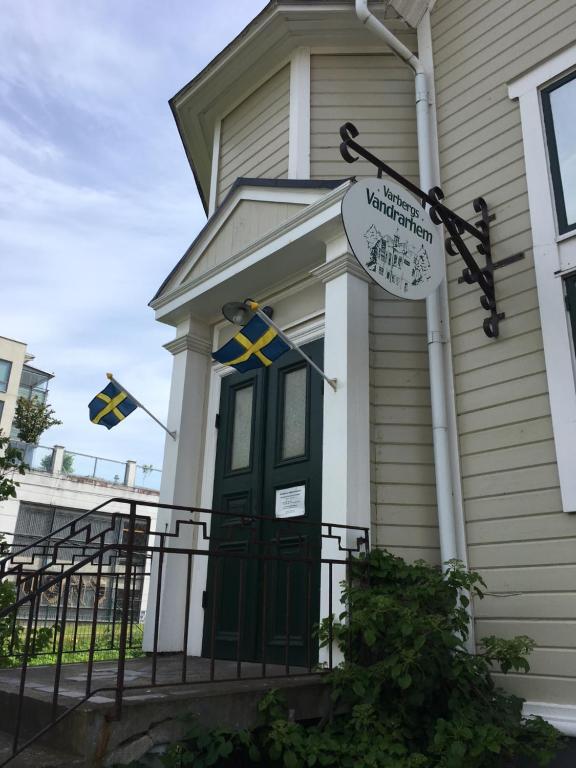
{"x":439,"y":390}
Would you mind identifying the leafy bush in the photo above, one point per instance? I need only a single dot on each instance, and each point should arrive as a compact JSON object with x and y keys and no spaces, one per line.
{"x":33,"y":418}
{"x":408,"y":694}
{"x":12,"y":636}
{"x":11,"y":463}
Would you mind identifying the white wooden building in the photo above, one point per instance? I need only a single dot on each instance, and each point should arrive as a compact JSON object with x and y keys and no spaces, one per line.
{"x":474,"y":460}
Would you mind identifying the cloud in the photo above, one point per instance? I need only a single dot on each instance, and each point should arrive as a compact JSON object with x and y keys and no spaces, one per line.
{"x":97,"y":201}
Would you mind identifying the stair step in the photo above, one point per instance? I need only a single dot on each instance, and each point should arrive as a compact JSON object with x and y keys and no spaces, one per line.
{"x":38,"y":756}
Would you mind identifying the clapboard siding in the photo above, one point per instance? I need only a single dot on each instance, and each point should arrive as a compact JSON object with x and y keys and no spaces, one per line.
{"x":403,"y":483}
{"x":374,"y":91}
{"x":548,"y":633}
{"x":517,"y":535}
{"x":254,"y":136}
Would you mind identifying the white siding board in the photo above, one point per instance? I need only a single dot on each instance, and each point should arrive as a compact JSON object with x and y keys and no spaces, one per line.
{"x":401,"y":396}
{"x":405,"y":360}
{"x":517,"y":412}
{"x":481,"y":357}
{"x":511,"y":481}
{"x":528,"y":605}
{"x":495,"y":18}
{"x":554,"y":525}
{"x":254,"y":136}
{"x":381,"y":95}
{"x":407,"y":515}
{"x":560,"y":690}
{"x":395,"y":473}
{"x":411,"y":554}
{"x":517,"y":304}
{"x":523,"y":553}
{"x":502,"y":393}
{"x":509,"y":436}
{"x":517,"y":535}
{"x":397,"y":378}
{"x":462,"y":303}
{"x":402,"y":434}
{"x":418,"y":535}
{"x":548,"y":633}
{"x":515,"y":457}
{"x":514,"y":505}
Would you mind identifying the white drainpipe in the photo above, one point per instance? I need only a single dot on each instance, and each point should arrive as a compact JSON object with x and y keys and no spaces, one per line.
{"x":439,"y":390}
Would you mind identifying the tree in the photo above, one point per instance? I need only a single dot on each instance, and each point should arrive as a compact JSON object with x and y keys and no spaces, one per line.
{"x":11,"y":633}
{"x":33,"y":418}
{"x":67,"y":463}
{"x":11,"y":463}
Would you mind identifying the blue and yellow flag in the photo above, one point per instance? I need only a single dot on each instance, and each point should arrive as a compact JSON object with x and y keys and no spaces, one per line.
{"x":111,"y":406}
{"x":257,"y":345}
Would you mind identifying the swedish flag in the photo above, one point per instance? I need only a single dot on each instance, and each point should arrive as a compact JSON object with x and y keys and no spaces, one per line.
{"x":255,"y":346}
{"x":111,"y":406}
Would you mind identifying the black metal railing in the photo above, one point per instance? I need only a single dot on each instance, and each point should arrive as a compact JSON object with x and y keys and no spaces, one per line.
{"x":231,"y":596}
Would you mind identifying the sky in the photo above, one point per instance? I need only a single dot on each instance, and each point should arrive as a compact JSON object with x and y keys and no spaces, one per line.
{"x":97,"y":200}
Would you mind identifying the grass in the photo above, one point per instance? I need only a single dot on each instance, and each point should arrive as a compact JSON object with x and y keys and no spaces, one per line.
{"x":106,"y":646}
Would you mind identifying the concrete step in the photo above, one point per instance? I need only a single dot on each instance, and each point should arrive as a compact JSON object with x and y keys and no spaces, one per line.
{"x":37,"y":756}
{"x":151,"y":716}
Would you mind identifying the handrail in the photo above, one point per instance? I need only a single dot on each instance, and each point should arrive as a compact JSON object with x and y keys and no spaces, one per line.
{"x":178,"y":508}
{"x":116,"y":571}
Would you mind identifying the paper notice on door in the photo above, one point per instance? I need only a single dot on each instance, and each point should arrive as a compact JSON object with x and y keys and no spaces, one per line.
{"x":290,"y":502}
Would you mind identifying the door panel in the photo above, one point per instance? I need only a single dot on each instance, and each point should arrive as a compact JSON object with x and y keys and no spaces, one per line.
{"x":237,"y":490}
{"x":286,"y":418}
{"x":270,"y":439}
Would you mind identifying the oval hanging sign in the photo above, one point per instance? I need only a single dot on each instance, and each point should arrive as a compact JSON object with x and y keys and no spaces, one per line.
{"x":393,"y":239}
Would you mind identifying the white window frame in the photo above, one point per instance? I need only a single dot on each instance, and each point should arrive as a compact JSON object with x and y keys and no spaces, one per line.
{"x":554,"y":257}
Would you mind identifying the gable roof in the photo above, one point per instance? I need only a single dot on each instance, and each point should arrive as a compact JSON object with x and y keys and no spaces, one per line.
{"x":268,"y":40}
{"x":223,"y":208}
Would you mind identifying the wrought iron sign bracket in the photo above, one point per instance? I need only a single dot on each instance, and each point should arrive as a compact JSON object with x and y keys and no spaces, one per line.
{"x":455,"y":225}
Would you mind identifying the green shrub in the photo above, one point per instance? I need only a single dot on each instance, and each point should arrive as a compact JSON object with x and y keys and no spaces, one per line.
{"x":408,"y":694}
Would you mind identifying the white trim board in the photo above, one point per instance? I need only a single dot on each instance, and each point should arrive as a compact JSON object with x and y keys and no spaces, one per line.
{"x":561,"y":716}
{"x":215,"y":164}
{"x":299,"y":125}
{"x":551,"y":257}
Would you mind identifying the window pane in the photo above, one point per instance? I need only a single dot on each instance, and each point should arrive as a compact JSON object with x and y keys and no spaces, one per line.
{"x":242,"y":429}
{"x":5,"y":368}
{"x":563,"y":112}
{"x":294,"y":421}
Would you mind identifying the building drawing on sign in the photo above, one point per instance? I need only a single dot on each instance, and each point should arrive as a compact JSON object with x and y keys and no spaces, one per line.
{"x":398,"y":262}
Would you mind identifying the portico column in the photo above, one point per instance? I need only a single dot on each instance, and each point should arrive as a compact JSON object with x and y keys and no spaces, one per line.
{"x":181,"y":480}
{"x":346,"y":441}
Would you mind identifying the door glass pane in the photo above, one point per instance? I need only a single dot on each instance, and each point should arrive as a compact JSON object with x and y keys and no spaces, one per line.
{"x":242,"y":428}
{"x":294,"y":418}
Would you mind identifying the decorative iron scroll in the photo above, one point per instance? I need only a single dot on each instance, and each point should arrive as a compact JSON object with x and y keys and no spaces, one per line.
{"x":456,"y":226}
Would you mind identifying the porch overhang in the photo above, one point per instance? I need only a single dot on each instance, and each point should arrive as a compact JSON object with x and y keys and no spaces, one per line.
{"x":296,"y":246}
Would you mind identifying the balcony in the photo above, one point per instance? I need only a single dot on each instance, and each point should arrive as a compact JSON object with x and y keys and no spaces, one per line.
{"x":61,"y":462}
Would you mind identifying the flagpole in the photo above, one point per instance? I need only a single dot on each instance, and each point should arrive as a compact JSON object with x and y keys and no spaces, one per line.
{"x":263,"y":316}
{"x":138,"y":403}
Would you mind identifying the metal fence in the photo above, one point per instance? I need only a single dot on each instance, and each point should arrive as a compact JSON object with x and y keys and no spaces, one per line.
{"x":41,"y":458}
{"x":148,"y":477}
{"x":261,"y":604}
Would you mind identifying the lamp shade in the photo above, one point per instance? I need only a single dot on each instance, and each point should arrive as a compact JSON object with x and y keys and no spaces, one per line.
{"x":237,"y":312}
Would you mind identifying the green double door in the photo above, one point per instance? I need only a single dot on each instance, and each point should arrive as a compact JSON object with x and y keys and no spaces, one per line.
{"x":263,"y":587}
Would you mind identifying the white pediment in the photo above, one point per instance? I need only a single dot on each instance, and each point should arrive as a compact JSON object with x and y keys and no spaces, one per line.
{"x":249,"y":215}
{"x":247,"y":223}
